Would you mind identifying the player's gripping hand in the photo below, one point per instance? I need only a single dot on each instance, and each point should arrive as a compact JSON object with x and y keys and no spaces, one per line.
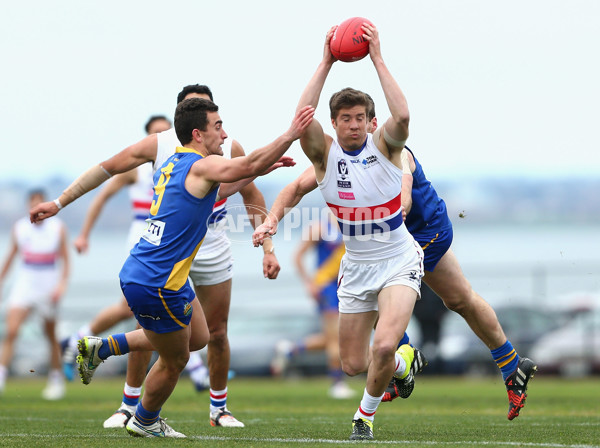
{"x":43,"y":211}
{"x":266,"y":230}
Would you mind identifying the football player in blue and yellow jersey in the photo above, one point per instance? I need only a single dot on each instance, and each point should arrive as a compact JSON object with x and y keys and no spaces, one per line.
{"x":154,"y":277}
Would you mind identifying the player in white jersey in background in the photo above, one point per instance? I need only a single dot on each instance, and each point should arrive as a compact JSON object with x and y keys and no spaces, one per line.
{"x":140,"y":189}
{"x":360,"y":177}
{"x":211,"y":272}
{"x":39,"y":285}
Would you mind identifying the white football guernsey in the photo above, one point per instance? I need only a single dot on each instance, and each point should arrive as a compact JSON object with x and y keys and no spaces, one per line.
{"x":362,"y":189}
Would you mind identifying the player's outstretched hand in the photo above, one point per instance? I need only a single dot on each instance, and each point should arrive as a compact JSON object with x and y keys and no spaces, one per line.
{"x":43,"y":211}
{"x":372,"y":35}
{"x":327,"y":56}
{"x":266,"y":230}
{"x":300,"y":122}
{"x":284,"y":161}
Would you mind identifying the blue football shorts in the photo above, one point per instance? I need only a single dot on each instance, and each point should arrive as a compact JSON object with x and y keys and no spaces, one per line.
{"x":328,"y":299}
{"x":160,"y":310}
{"x":434,"y":247}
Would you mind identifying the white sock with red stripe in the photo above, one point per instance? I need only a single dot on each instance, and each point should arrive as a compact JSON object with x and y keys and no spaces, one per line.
{"x":218,"y":399}
{"x":131,"y":397}
{"x":368,"y":406}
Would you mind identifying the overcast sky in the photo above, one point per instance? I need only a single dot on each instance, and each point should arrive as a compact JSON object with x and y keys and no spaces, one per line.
{"x":494,"y":88}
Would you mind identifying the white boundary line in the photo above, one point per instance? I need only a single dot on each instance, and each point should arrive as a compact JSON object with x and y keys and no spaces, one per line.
{"x":304,"y":440}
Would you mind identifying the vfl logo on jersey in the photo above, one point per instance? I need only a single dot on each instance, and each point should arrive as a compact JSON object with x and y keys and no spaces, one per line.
{"x":369,"y":162}
{"x":187,"y":309}
{"x":342,"y":166}
{"x":154,"y":231}
{"x":343,"y":174}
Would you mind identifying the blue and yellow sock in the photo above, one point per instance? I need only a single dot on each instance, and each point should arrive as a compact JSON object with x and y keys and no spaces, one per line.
{"x":115,"y":344}
{"x":507,"y":359}
{"x":146,"y":417}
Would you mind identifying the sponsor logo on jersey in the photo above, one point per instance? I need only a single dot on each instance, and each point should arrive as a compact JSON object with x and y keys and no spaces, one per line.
{"x":344,"y":184}
{"x":187,"y":309}
{"x":369,"y":161}
{"x":154,"y":231}
{"x":148,"y":316}
{"x":346,"y":195}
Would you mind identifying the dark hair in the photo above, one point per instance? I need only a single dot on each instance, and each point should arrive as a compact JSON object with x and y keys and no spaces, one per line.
{"x":347,"y":98}
{"x":194,"y":88}
{"x":370,"y":108}
{"x":192,"y":114}
{"x":38,"y":191}
{"x":152,"y":119}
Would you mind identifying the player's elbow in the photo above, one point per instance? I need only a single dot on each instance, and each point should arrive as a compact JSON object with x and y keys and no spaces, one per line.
{"x":402,"y":120}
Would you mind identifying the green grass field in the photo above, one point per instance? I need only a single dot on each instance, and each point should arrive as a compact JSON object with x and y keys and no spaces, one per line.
{"x":445,"y":412}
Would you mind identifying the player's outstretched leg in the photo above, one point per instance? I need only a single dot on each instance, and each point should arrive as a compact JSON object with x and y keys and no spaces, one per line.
{"x":403,"y":387}
{"x":516,"y":386}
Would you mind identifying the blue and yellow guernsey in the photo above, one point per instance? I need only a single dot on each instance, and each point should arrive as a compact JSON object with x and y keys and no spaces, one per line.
{"x":175,"y":228}
{"x":428,"y":214}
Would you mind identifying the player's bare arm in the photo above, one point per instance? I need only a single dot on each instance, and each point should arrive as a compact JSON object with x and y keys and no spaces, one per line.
{"x":392,"y":136}
{"x":116,"y":184}
{"x":256,"y":208}
{"x":253,"y":199}
{"x":287,"y":199}
{"x":215,"y":169}
{"x":131,"y":157}
{"x":12,"y":253}
{"x":61,"y":287}
{"x":315,"y":142}
{"x":407,"y":181}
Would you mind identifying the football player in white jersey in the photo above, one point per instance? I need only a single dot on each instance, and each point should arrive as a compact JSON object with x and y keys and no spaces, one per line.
{"x":40,"y":284}
{"x":140,"y":188}
{"x":360,"y":177}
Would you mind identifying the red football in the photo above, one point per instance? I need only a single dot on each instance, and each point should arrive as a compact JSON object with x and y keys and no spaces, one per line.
{"x":347,"y":43}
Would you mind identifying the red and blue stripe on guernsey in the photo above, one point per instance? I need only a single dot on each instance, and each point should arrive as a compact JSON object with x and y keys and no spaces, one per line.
{"x":219,"y":211}
{"x":37,"y":259}
{"x":141,"y":208}
{"x":371,"y":220}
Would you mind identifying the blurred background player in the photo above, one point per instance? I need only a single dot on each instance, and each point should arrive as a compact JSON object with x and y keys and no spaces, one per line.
{"x":325,"y":239}
{"x":40,"y":284}
{"x":140,"y":189}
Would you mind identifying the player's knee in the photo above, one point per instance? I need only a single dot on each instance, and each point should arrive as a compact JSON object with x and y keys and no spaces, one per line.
{"x":384,"y":350}
{"x":178,"y":363}
{"x":459,"y":299}
{"x":218,"y":334}
{"x":353,"y":367}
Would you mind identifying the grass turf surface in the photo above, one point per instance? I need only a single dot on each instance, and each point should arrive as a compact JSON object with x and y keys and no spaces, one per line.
{"x":443,"y":412}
